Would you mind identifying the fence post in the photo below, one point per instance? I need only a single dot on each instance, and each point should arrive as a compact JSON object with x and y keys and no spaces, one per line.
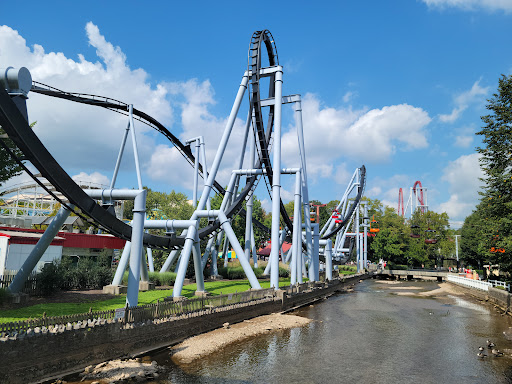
{"x":126,"y":308}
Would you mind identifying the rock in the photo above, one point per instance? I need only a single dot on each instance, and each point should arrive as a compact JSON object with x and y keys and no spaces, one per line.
{"x":88,"y":369}
{"x":226,"y":325}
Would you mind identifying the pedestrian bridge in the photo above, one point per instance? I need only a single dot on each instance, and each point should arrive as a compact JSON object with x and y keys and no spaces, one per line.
{"x":412,"y":273}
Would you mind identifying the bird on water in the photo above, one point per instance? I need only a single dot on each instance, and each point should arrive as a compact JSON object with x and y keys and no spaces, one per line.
{"x":490,"y":344}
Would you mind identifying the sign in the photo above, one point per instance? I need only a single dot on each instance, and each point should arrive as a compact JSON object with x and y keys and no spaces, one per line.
{"x":119,"y":313}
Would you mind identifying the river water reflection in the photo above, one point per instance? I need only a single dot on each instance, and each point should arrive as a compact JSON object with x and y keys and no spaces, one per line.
{"x":375,"y":334}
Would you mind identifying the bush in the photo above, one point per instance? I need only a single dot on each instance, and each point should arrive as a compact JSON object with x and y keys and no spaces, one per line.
{"x":399,"y":267}
{"x":284,"y":272}
{"x":75,"y":278}
{"x":99,"y":276}
{"x":164,"y":278}
{"x":351,"y":268}
{"x":86,"y":274}
{"x":234,"y":273}
{"x":50,"y":278}
{"x":4,"y":295}
{"x":258,"y":272}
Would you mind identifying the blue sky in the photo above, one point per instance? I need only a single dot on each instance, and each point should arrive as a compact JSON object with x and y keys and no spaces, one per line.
{"x":398,"y":86}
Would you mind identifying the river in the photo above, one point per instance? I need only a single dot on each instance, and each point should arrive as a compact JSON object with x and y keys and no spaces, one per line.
{"x":382,"y":332}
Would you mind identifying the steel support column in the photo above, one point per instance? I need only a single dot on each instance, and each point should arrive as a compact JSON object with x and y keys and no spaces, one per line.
{"x":276,"y":181}
{"x":39,"y":249}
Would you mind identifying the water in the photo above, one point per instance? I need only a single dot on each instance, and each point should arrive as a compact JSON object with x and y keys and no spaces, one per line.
{"x":372,"y":335}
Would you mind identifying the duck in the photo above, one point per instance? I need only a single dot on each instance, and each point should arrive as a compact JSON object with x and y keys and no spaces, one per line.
{"x":490,"y":344}
{"x":481,"y":349}
{"x":496,"y":352}
{"x":481,"y":355}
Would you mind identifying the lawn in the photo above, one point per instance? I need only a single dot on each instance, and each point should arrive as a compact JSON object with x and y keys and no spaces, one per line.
{"x":62,"y":309}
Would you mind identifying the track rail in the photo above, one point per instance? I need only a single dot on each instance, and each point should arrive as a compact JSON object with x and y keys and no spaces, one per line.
{"x":353,"y":207}
{"x":27,"y":141}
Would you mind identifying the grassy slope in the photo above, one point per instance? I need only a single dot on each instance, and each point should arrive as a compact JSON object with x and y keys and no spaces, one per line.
{"x":61,"y":309}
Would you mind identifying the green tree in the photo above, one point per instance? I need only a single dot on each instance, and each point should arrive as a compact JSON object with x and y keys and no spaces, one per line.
{"x":496,"y":162}
{"x":473,"y":249}
{"x":390,"y":243}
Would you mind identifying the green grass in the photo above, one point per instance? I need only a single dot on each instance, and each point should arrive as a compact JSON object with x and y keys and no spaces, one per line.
{"x":62,"y":309}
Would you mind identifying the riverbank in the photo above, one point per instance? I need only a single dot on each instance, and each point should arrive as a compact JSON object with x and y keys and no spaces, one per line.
{"x":202,"y":345}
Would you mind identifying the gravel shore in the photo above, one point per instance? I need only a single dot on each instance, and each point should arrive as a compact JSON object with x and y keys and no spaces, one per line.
{"x":207,"y":343}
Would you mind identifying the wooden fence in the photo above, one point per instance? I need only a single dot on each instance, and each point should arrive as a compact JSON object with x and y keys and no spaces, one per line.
{"x":141,"y":313}
{"x":31,"y":286}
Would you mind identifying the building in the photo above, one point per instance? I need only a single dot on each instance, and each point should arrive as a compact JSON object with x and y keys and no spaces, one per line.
{"x":17,"y":243}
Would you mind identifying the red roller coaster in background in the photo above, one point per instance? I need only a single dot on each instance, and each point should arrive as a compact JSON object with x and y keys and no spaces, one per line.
{"x":400,"y":202}
{"x":417,"y":191}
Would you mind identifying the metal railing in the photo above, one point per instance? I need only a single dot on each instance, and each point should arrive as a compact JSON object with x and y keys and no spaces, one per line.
{"x":477,"y":284}
{"x":497,"y":283}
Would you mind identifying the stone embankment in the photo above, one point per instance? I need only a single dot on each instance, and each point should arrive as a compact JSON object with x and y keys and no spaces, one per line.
{"x":68,"y":348}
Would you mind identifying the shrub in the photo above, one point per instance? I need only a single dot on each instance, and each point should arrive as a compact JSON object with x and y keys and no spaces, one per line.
{"x":86,"y":274}
{"x":233,"y":273}
{"x":399,"y":267}
{"x":4,"y":295}
{"x":50,"y":278}
{"x":258,"y":272}
{"x":164,"y":278}
{"x":284,"y":272}
{"x":351,"y":268}
{"x":74,"y":278}
{"x":99,"y":276}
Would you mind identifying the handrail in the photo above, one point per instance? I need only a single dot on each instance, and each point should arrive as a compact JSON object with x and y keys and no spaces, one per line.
{"x":477,"y":284}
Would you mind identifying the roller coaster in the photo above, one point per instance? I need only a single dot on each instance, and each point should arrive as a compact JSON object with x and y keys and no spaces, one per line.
{"x":417,"y":200}
{"x":261,"y":139}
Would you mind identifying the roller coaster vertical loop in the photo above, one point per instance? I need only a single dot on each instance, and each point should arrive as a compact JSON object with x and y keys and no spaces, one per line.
{"x":419,"y":195}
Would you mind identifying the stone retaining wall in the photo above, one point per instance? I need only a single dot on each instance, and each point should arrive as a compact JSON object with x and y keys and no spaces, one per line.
{"x":499,"y":297}
{"x":53,"y":354}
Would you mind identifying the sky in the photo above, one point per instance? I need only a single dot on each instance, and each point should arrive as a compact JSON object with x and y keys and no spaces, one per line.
{"x":398,"y":86}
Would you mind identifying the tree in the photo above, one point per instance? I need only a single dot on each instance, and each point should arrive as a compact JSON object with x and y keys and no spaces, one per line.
{"x":390,"y":243}
{"x":473,"y":250}
{"x":495,"y":209}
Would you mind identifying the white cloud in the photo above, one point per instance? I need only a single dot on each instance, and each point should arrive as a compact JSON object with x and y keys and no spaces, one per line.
{"x":463,"y":141}
{"x":82,"y":137}
{"x":374,"y":191}
{"x":463,"y":100}
{"x":95,"y":179}
{"x":194,"y":98}
{"x":343,"y":175}
{"x":472,"y":5}
{"x":367,"y":136}
{"x":454,"y":115}
{"x":463,"y":176}
{"x":348,"y":96}
{"x":168,"y":165}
